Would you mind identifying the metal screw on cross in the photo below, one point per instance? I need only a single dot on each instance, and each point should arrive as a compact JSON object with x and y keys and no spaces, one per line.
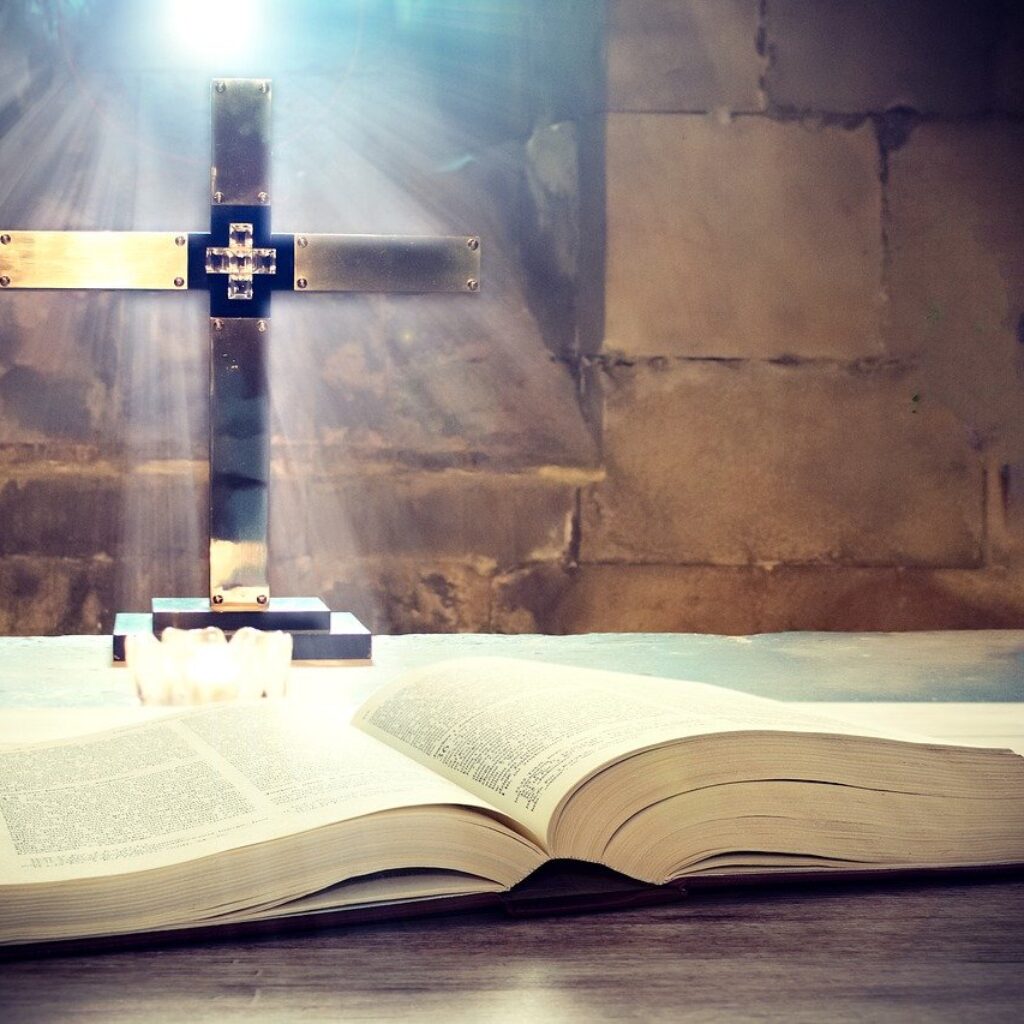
{"x":240,"y":263}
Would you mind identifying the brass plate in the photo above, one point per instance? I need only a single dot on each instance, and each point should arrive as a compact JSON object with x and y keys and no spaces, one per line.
{"x":94,"y":259}
{"x":235,"y":599}
{"x":240,"y":174}
{"x":387,"y":263}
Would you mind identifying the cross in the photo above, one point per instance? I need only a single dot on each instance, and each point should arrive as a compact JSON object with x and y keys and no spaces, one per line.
{"x":240,"y":263}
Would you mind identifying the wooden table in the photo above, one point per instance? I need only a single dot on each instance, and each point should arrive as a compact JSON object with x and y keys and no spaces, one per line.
{"x":936,"y":953}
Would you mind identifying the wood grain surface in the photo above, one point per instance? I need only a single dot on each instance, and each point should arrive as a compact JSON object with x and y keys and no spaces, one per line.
{"x":926,"y":953}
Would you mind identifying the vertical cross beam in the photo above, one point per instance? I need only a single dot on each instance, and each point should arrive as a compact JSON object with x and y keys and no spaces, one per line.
{"x":239,"y":334}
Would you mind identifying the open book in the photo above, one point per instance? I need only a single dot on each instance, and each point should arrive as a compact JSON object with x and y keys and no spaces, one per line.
{"x":461,"y":780}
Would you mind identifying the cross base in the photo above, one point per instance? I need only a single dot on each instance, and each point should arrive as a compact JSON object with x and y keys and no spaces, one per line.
{"x":318,"y":634}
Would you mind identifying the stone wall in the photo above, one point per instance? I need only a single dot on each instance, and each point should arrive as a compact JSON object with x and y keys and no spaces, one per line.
{"x":812,"y":367}
{"x":749,"y":354}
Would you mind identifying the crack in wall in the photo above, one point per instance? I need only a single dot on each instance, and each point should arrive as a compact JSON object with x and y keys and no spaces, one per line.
{"x":867,"y":365}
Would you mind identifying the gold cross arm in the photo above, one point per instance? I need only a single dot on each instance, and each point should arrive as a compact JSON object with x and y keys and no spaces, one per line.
{"x":387,"y":263}
{"x":153,"y":260}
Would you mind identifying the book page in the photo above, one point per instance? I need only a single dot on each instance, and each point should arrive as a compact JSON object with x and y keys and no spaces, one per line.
{"x":524,"y":734}
{"x":195,"y":784}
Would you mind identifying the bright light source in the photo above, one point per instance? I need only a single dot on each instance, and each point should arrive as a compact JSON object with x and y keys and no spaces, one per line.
{"x":213,"y":29}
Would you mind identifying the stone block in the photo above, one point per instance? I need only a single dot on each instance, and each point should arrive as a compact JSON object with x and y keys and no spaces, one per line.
{"x":162,"y":513}
{"x":749,"y":239}
{"x":683,"y":55}
{"x":890,"y":600}
{"x":760,"y":463}
{"x":138,"y":578}
{"x":127,"y":371}
{"x":56,"y":366}
{"x":59,"y":516}
{"x":491,"y":519}
{"x":930,"y":55}
{"x":46,"y":595}
{"x":697,"y":599}
{"x":737,"y":601}
{"x":404,"y":391}
{"x":530,"y":600}
{"x":160,"y":349}
{"x":49,"y":596}
{"x":956,"y":279}
{"x":627,"y":599}
{"x":151,"y":513}
{"x":394,"y":595}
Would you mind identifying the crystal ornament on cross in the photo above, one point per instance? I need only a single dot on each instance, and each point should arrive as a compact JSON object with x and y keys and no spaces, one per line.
{"x":240,"y":263}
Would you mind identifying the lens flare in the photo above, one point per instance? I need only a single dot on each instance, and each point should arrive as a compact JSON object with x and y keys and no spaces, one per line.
{"x":213,"y":29}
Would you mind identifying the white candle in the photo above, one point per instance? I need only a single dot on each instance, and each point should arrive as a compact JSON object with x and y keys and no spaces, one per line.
{"x":199,"y":666}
